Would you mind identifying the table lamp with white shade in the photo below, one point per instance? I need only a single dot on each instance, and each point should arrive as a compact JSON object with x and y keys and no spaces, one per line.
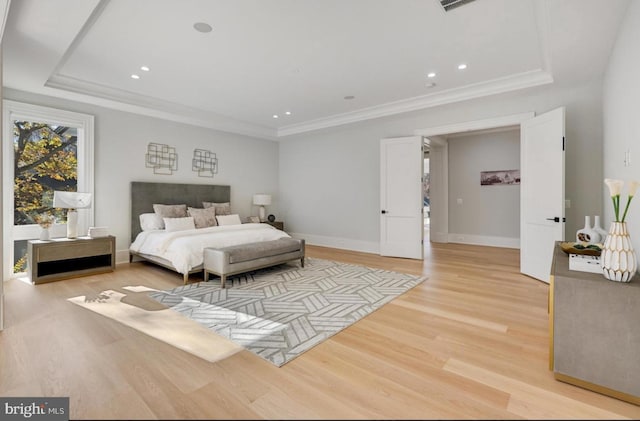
{"x":262,"y":200}
{"x":72,"y":201}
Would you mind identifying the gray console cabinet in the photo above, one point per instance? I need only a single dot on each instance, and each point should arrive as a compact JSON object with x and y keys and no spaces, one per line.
{"x":595,"y":330}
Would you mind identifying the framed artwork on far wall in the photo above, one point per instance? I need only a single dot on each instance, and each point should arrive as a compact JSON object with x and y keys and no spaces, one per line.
{"x":495,"y":178}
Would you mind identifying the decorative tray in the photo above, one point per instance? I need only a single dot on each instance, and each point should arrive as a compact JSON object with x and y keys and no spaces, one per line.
{"x":581,"y":248}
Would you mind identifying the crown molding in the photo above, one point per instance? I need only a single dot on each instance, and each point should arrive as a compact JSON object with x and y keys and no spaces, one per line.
{"x":496,"y":86}
{"x":119,"y":99}
{"x":105,"y":96}
{"x":81,"y":90}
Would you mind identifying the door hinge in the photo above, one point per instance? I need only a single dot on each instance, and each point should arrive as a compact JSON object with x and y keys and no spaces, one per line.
{"x":563,"y":143}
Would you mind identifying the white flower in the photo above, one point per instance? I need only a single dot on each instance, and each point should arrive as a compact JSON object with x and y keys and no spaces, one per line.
{"x":633,"y":186}
{"x":615,"y":186}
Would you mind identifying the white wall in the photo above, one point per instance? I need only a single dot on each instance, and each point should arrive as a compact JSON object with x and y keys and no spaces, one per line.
{"x":329,"y":179}
{"x":247,"y":164}
{"x":622,"y":118}
{"x":488,"y":214}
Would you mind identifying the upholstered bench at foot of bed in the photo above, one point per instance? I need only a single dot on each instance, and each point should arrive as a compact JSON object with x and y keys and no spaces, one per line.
{"x":247,"y":257}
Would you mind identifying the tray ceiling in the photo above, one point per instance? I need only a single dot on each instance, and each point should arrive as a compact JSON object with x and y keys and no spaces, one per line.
{"x":305,"y":57}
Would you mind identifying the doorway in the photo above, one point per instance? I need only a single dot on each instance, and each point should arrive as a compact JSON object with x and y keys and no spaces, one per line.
{"x":426,"y":199}
{"x":440,"y":203}
{"x":542,"y":152}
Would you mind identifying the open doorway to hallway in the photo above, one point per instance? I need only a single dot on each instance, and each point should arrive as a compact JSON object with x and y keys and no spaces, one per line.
{"x":426,"y":199}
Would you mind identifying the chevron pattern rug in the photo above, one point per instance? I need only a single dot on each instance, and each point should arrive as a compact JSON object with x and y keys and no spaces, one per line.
{"x":281,"y":312}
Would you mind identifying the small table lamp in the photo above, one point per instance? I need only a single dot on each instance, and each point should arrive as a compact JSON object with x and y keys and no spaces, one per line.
{"x":262,"y":200}
{"x":71,"y":200}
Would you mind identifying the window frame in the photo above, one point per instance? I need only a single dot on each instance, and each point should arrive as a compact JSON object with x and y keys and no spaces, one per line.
{"x":13,"y":110}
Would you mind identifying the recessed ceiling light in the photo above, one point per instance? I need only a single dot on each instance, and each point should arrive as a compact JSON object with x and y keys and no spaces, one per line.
{"x":462,"y":66}
{"x":348,"y":97}
{"x":144,"y":68}
{"x":135,"y":77}
{"x":202,"y":27}
{"x":287,"y":112}
{"x":275,"y":116}
{"x":432,"y":74}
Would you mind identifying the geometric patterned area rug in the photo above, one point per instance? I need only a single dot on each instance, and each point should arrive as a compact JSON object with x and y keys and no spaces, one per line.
{"x":280,"y":312}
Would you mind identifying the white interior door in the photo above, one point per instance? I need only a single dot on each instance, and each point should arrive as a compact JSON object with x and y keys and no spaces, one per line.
{"x":541,"y":192}
{"x":401,"y":172}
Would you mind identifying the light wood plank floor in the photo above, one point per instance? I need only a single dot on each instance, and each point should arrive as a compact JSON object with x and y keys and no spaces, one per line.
{"x":471,"y":342}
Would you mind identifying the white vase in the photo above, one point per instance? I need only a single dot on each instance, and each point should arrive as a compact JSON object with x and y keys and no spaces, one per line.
{"x":618,"y":259}
{"x":44,"y":234}
{"x":598,"y":228}
{"x":588,"y":234}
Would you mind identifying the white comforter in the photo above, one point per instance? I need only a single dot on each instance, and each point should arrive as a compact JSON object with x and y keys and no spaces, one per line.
{"x":184,"y":249}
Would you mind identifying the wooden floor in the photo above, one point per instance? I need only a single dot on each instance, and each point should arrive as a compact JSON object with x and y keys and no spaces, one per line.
{"x":471,"y":342}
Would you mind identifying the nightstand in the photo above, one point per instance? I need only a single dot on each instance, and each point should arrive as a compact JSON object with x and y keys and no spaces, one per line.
{"x":277,"y":224}
{"x":63,"y":258}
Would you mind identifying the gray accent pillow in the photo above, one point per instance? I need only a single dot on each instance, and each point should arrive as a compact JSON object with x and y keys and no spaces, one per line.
{"x":203,"y":217}
{"x":221,"y":208}
{"x":170,"y":211}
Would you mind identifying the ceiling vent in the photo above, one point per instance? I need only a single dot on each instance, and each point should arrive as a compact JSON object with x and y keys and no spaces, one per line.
{"x":452,"y":4}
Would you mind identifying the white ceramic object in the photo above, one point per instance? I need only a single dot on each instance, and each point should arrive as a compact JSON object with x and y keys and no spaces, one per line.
{"x":588,"y":234}
{"x":44,"y":234}
{"x":598,"y":228}
{"x":618,"y":259}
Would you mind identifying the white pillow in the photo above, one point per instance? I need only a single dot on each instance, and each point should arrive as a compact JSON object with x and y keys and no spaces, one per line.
{"x":179,"y":224}
{"x":151,"y":222}
{"x":233,"y":219}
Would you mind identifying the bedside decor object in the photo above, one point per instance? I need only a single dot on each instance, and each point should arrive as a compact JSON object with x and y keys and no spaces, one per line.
{"x":45,"y":221}
{"x":72,"y":201}
{"x":262,"y":200}
{"x":98,"y":232}
{"x":588,"y":234}
{"x":204,"y":162}
{"x":584,"y":263}
{"x":581,"y":248}
{"x":271,"y":218}
{"x":618,"y":260}
{"x":162,"y":158}
{"x":597,"y":227}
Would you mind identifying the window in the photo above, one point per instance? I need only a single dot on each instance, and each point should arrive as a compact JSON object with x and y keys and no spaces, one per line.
{"x":44,"y":149}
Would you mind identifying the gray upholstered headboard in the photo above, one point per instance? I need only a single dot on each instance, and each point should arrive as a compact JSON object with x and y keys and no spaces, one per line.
{"x":144,"y":195}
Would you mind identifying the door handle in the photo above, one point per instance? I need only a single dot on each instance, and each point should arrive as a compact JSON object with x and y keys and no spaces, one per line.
{"x":557,"y":219}
{"x":383,"y":211}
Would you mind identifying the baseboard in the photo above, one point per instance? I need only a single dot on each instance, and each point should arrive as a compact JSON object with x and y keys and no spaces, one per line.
{"x":338,"y":242}
{"x":439,"y":237}
{"x":485,"y":240}
{"x":122,"y":256}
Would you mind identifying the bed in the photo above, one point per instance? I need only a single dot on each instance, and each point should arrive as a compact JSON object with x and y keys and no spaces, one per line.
{"x":183,"y":251}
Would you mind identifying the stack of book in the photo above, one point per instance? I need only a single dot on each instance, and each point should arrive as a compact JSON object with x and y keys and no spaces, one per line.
{"x":584,"y":263}
{"x":96,"y":232}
